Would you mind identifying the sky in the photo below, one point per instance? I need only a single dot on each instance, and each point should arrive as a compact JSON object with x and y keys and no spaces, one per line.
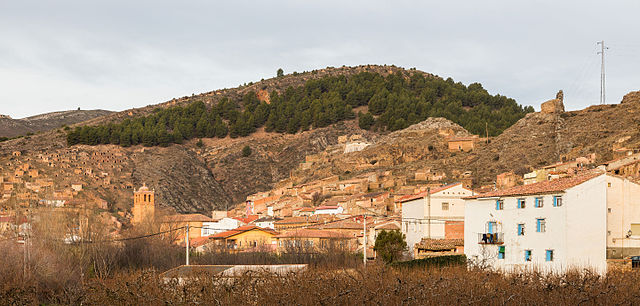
{"x":116,"y":55}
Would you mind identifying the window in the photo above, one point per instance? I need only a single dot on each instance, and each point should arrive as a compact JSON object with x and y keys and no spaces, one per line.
{"x":521,"y":229}
{"x":549,"y":255}
{"x":445,"y":206}
{"x":608,"y":184}
{"x":492,"y":227}
{"x":635,"y":229}
{"x":541,"y":225}
{"x":527,"y":255}
{"x":521,"y":203}
{"x":501,"y":252}
{"x":499,"y":204}
{"x":539,"y":202}
{"x":609,"y":210}
{"x":557,"y":201}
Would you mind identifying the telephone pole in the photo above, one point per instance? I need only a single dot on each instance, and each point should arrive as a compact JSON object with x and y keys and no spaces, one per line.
{"x":602,"y":89}
{"x":364,"y":236}
{"x":186,"y":242}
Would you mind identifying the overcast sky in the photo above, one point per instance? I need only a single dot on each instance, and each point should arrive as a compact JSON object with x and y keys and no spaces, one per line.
{"x":60,"y":55}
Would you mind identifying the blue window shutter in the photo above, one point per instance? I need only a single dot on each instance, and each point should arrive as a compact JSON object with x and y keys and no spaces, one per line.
{"x":490,"y":227}
{"x":538,"y":225}
{"x":549,"y":252}
{"x":497,"y":204}
{"x":537,"y":202}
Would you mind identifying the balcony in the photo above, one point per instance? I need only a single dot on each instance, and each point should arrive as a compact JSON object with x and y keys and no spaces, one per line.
{"x":490,"y":238}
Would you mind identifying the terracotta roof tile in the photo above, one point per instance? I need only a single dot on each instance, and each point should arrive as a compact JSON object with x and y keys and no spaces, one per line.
{"x":439,"y":244}
{"x":187,"y":218}
{"x":424,"y":193}
{"x":557,"y":185}
{"x":240,"y":230}
{"x":311,"y":233}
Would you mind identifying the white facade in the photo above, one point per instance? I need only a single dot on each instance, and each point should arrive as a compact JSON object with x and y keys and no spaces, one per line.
{"x":443,"y":205}
{"x":555,"y":238}
{"x":222,"y":225}
{"x":329,"y":210}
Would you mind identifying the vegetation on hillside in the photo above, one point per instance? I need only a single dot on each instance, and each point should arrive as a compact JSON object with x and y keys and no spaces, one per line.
{"x":394,"y":102}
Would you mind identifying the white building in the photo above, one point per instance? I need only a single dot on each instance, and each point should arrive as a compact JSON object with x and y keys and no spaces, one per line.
{"x":426,"y":215}
{"x":222,"y":225}
{"x":267,"y":222}
{"x":569,"y":223}
{"x":328,"y":210}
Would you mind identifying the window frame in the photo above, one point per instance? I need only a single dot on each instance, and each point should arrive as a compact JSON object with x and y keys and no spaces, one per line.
{"x":522,"y":203}
{"x":557,"y":201}
{"x":539,"y":202}
{"x":548,"y":255}
{"x":445,"y":204}
{"x":541,"y":225}
{"x":501,"y":252}
{"x":528,"y":254}
{"x":521,"y":229}
{"x":499,"y":204}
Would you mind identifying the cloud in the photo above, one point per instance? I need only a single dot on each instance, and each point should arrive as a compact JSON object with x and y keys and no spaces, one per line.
{"x":121,"y":54}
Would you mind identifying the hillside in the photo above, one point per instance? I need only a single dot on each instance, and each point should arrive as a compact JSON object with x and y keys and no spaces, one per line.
{"x":17,"y":127}
{"x":213,"y":174}
{"x":545,"y":138}
{"x":385,"y":102}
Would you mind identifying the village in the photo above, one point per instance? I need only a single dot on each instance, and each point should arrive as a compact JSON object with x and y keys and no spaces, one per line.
{"x":534,"y":220}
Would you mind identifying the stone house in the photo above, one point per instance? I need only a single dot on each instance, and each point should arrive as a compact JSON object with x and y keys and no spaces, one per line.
{"x":464,"y":144}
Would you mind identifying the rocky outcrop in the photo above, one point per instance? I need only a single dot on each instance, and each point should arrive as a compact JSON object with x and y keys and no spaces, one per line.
{"x":553,"y":106}
{"x":631,"y":97}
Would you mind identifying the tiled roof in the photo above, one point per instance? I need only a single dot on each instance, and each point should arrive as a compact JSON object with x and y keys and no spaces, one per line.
{"x":388,"y":226}
{"x":311,"y":233}
{"x":198,"y":241}
{"x":248,"y":219}
{"x":424,"y":193}
{"x":557,"y":185}
{"x":439,"y":244}
{"x":342,"y":224}
{"x":187,"y":218}
{"x":240,"y":230}
{"x":327,"y":207}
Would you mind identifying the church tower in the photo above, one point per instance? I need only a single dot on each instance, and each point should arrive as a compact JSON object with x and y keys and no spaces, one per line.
{"x":143,"y":205}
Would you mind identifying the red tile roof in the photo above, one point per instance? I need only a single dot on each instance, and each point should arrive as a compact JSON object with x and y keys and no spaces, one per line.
{"x":187,"y":218}
{"x":342,"y":224}
{"x":248,"y":219}
{"x":557,"y":185}
{"x":241,"y":230}
{"x":439,"y":244}
{"x":424,"y":193}
{"x":312,"y":233}
{"x":327,"y":207}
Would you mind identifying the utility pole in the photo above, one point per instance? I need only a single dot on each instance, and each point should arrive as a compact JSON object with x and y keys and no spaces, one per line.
{"x":186,"y":242}
{"x":364,"y":248}
{"x":429,"y":212}
{"x":602,"y":87}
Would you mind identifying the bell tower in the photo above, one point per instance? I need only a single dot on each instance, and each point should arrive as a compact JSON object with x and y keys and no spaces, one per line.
{"x":143,"y":205}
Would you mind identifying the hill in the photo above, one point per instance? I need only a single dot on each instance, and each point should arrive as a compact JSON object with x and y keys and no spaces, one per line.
{"x":394,"y":100}
{"x":18,"y":127}
{"x":212,"y":174}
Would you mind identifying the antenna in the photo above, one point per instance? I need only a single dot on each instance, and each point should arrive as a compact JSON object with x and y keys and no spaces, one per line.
{"x":602,"y":89}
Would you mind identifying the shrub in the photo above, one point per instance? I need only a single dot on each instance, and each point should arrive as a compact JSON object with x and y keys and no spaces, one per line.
{"x":246,"y":151}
